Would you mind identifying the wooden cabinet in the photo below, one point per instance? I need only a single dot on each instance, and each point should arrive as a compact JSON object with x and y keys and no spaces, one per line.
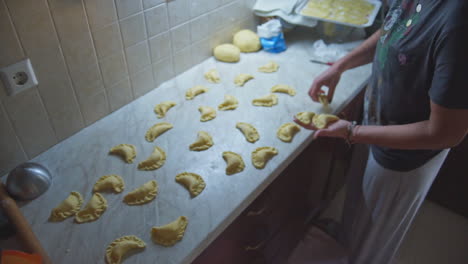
{"x":268,"y":230}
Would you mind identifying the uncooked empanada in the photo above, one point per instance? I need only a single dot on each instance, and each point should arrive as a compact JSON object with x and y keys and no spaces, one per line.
{"x":194,"y":91}
{"x":230,"y":103}
{"x":242,"y":78}
{"x":143,"y":194}
{"x":262,"y":155}
{"x":212,"y":76}
{"x":125,"y":151}
{"x":287,"y":131}
{"x":249,"y":131}
{"x":162,"y":108}
{"x":157,"y":130}
{"x":322,"y":121}
{"x":109,"y":183}
{"x":235,"y":163}
{"x":68,"y":207}
{"x":168,"y":235}
{"x":203,"y":142}
{"x":283,"y":88}
{"x":93,"y":210}
{"x":269,"y":67}
{"x":305,"y":117}
{"x":323,"y":99}
{"x":154,"y":161}
{"x":207,"y":113}
{"x":267,"y":100}
{"x":193,"y":182}
{"x":118,"y":249}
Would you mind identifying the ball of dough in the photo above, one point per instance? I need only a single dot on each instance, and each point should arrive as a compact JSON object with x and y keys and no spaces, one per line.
{"x":247,"y":41}
{"x":227,"y":53}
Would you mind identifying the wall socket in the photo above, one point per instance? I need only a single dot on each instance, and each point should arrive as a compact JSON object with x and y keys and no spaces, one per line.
{"x":18,"y":77}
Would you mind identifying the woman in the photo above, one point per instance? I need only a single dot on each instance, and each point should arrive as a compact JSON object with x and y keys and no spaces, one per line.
{"x":416,"y":108}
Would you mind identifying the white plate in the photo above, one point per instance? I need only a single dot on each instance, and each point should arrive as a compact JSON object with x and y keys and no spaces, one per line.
{"x":371,"y":18}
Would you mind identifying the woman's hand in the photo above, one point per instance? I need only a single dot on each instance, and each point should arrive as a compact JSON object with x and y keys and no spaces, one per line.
{"x":329,"y":78}
{"x":338,"y":129}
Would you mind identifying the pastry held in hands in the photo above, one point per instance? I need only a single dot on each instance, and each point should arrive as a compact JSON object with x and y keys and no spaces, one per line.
{"x":305,"y":117}
{"x":143,"y":194}
{"x":322,"y":121}
{"x":262,"y":155}
{"x":203,"y":142}
{"x":162,"y":108}
{"x":157,"y":130}
{"x":119,"y":248}
{"x":93,"y":210}
{"x":230,"y":103}
{"x":109,"y":183}
{"x":323,"y":99}
{"x":126,"y":151}
{"x":212,"y":76}
{"x":247,"y":41}
{"x":249,"y":131}
{"x":287,"y":131}
{"x":168,"y":235}
{"x":207,"y":113}
{"x":192,"y":181}
{"x":242,"y":78}
{"x":68,"y":207}
{"x":227,"y":53}
{"x":267,"y":100}
{"x":283,"y":88}
{"x":155,"y":161}
{"x":269,"y":67}
{"x":194,"y":91}
{"x":234,"y":162}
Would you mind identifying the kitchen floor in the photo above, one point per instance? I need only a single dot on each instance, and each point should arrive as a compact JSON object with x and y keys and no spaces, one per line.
{"x":436,"y":236}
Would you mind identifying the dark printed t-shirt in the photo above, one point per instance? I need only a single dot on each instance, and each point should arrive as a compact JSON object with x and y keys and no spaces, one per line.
{"x":422,"y":56}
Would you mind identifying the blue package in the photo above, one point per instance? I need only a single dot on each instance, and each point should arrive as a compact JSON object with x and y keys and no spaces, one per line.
{"x":274,"y":44}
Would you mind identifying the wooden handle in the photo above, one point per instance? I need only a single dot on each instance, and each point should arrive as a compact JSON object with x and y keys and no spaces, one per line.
{"x":23,"y":229}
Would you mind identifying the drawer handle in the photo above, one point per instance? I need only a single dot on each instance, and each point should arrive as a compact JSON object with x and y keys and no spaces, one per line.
{"x":255,"y":248}
{"x":256,"y":213}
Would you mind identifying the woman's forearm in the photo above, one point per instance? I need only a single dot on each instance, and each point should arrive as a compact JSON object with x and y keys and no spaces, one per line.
{"x":361,"y":55}
{"x":411,"y":136}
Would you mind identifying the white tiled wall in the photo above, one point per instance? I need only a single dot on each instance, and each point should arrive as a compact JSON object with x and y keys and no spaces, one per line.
{"x":92,"y":57}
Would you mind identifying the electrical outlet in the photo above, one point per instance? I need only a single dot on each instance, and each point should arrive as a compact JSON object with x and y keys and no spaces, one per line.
{"x":18,"y":77}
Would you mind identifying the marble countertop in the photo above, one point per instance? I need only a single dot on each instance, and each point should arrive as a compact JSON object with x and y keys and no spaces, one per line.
{"x":80,"y":160}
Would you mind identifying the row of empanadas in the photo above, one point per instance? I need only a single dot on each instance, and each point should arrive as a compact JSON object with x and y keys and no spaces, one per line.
{"x":320,"y":121}
{"x":165,"y":235}
{"x":71,"y":207}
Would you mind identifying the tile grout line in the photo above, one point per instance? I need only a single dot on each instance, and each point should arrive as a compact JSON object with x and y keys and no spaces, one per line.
{"x":23,"y":53}
{"x":37,"y":92}
{"x":95,"y":56}
{"x":65,"y":61}
{"x":3,"y":108}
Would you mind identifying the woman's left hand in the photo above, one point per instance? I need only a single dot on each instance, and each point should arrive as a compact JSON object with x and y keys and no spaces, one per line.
{"x":338,"y":129}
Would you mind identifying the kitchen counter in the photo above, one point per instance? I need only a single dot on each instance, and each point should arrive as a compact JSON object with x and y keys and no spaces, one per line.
{"x":80,"y":160}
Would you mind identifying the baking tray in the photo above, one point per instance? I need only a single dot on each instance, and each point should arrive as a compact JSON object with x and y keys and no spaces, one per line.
{"x":371,"y":18}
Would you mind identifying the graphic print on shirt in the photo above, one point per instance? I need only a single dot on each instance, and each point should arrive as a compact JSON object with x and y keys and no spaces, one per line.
{"x":398,"y":24}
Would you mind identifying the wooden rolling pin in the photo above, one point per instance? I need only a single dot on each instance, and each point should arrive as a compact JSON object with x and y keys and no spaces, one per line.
{"x":23,"y":229}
